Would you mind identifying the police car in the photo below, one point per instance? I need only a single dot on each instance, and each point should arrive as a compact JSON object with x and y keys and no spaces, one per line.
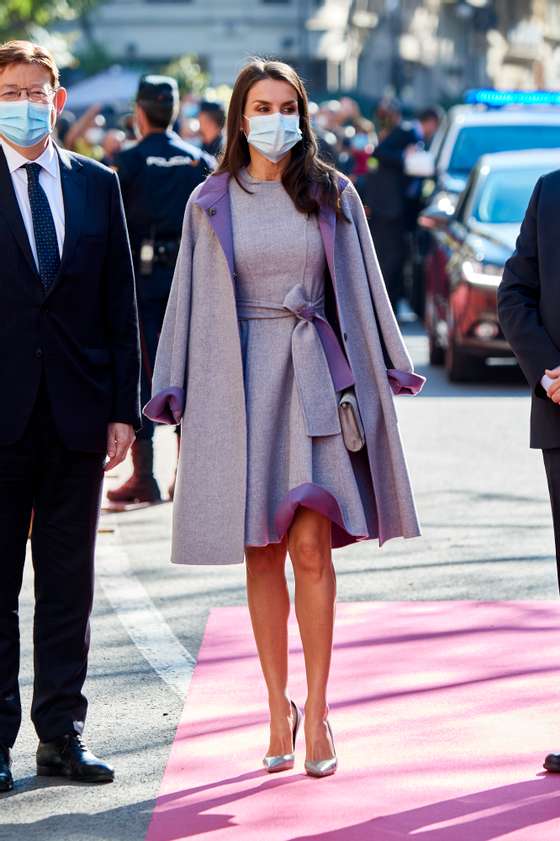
{"x":465,"y":264}
{"x":490,"y":121}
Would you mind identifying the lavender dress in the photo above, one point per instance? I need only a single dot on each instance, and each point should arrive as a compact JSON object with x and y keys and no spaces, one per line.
{"x":280,"y":265}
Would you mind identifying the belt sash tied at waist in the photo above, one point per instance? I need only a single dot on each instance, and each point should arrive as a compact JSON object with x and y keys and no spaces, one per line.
{"x":320,"y":366}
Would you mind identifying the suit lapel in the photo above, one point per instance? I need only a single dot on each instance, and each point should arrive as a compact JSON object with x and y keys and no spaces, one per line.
{"x":9,"y":208}
{"x":74,"y":196}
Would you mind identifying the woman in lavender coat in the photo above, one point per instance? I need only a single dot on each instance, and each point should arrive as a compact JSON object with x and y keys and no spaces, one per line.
{"x":277,"y":308}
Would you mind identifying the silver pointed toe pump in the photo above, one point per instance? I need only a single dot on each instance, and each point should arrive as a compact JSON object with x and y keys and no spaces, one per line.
{"x":323,"y":767}
{"x":285,"y":761}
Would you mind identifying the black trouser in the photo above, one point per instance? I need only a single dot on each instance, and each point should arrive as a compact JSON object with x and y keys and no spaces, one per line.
{"x":151,"y":313}
{"x":64,"y":489}
{"x":390,"y":240}
{"x":552,"y":467}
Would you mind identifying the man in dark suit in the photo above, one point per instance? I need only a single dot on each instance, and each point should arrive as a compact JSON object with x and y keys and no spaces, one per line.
{"x":69,"y":369}
{"x":529,"y":309}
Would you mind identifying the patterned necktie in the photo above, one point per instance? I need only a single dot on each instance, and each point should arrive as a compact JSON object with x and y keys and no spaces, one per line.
{"x":46,"y":242}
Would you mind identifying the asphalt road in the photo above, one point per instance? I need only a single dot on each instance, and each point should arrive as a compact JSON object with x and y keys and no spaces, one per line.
{"x":482,"y":500}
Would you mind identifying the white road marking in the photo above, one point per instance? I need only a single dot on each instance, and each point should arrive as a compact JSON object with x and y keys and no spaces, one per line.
{"x":142,"y":620}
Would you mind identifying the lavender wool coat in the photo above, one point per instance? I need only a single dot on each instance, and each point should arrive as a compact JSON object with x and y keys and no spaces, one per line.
{"x":198,"y":378}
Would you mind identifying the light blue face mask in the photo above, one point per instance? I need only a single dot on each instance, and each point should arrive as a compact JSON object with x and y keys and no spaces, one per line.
{"x":25,"y":123}
{"x":274,"y":134}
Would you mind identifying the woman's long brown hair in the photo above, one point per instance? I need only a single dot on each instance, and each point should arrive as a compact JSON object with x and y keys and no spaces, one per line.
{"x":308,"y":180}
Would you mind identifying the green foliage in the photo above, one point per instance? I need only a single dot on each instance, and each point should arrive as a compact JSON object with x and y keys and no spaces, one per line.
{"x":190,"y":76}
{"x":17,"y":17}
{"x":92,"y":58}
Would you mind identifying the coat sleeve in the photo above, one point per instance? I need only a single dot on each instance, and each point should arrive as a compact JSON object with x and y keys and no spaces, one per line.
{"x":401,"y":376}
{"x":169,"y":381}
{"x":518,"y":303}
{"x":122,"y":318}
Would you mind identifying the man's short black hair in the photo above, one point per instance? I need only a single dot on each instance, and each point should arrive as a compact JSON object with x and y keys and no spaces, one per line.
{"x":431,"y":113}
{"x":158,"y":97}
{"x":215,"y":110}
{"x":159,"y":115}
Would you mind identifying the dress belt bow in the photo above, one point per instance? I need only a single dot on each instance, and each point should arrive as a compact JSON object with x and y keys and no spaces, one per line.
{"x":320,"y":366}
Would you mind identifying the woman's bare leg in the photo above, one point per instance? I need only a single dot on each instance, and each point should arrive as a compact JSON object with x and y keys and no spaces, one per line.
{"x":269,"y":605}
{"x":309,"y":545}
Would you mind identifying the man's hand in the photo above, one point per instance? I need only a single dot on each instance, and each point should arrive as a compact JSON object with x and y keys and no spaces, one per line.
{"x":120,"y":437}
{"x":553,"y":391}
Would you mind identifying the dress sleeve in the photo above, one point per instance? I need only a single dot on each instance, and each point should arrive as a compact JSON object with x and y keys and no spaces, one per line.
{"x":402,"y":378}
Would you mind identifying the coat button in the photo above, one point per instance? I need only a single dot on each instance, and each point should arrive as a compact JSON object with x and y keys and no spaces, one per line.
{"x":38,"y":353}
{"x":345,"y":336}
{"x":212,"y":211}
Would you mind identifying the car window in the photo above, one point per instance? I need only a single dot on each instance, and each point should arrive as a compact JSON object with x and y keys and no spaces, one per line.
{"x":466,"y":196}
{"x":438,"y":140}
{"x":505,"y":195}
{"x":474,"y":141}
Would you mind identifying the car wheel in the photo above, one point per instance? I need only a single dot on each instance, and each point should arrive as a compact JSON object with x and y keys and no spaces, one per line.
{"x":437,"y":353}
{"x":462,"y":367}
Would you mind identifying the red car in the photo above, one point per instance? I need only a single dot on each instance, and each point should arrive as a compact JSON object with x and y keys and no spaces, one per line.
{"x":464,"y":265}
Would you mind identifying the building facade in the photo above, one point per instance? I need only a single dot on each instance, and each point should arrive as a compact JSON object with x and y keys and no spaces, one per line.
{"x":222,"y":33}
{"x":432,"y":50}
{"x":420,"y":50}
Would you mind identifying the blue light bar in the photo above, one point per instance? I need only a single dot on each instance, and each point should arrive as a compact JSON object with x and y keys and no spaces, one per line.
{"x":497,"y":99}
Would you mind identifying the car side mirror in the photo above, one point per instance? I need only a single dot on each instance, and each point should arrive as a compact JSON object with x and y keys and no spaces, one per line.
{"x":420,"y":164}
{"x":433,"y":218}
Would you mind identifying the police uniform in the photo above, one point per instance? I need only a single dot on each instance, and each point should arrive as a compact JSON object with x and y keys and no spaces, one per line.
{"x":157,"y":177}
{"x":392,"y":198}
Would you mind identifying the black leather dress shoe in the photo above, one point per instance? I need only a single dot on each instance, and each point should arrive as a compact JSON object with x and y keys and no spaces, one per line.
{"x":6,"y":779}
{"x":552,"y":763}
{"x":68,"y":756}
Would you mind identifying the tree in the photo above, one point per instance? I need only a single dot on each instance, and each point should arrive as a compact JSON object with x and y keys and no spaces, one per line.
{"x":190,"y":76}
{"x":19,"y":17}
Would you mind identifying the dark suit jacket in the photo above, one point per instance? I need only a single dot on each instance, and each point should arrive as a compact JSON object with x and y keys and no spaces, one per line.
{"x":529,"y":304}
{"x":386,"y":188}
{"x":83,"y":333}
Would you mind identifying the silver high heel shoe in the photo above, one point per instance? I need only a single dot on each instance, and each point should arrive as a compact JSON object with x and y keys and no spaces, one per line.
{"x":285,"y":761}
{"x":323,"y":767}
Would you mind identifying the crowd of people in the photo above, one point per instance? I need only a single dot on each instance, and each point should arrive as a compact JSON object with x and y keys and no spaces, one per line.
{"x":370,"y":151}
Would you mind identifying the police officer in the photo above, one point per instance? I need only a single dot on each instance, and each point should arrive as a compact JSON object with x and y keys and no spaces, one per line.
{"x":157,"y":177}
{"x":390,"y":196}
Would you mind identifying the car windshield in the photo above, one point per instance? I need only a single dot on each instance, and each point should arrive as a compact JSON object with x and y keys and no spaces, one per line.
{"x":474,"y":141}
{"x":505,"y":195}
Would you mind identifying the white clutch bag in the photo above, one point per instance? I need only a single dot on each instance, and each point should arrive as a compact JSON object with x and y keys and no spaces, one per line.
{"x":351,"y":422}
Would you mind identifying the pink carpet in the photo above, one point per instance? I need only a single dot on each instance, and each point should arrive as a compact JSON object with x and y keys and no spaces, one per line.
{"x":443,"y":712}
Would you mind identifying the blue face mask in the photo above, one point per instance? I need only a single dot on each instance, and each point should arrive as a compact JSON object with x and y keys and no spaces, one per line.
{"x":274,"y":134}
{"x":25,"y":123}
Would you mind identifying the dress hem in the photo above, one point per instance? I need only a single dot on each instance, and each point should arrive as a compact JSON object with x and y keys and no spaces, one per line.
{"x":316,"y":498}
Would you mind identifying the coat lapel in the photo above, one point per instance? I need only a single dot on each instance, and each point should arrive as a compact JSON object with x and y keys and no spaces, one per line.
{"x":9,"y":208}
{"x":327,"y":226}
{"x":74,"y":196}
{"x":214,"y":200}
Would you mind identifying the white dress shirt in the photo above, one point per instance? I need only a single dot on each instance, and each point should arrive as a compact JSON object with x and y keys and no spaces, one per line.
{"x":50,"y":181}
{"x":546,"y":382}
